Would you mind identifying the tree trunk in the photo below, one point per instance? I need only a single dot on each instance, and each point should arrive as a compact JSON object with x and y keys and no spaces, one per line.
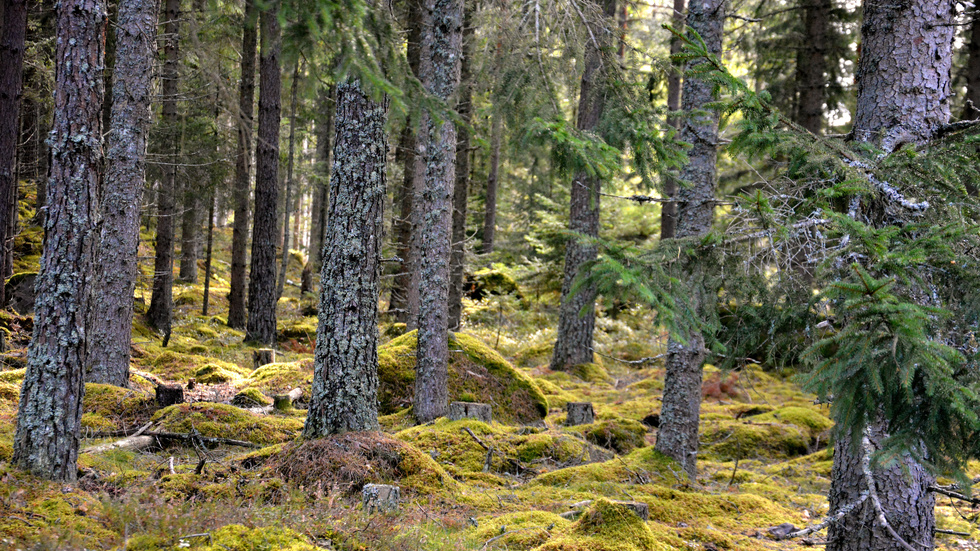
{"x":678,"y":434}
{"x":50,"y":410}
{"x":574,"y":343}
{"x":161,"y":301}
{"x":461,"y":187}
{"x":324,"y":128}
{"x":287,"y":201}
{"x":12,"y":36}
{"x":207,"y":258}
{"x":243,"y":165}
{"x":345,"y":379}
{"x":136,"y":29}
{"x":903,"y":97}
{"x":190,"y":232}
{"x":971,"y":108}
{"x":261,"y":326}
{"x":668,"y":211}
{"x":442,"y":44}
{"x":493,"y":179}
{"x":811,"y":64}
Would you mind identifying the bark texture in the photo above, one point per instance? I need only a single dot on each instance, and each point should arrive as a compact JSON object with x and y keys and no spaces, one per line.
{"x":668,"y":212}
{"x":811,"y":65}
{"x":462,"y":185}
{"x":136,"y":29}
{"x":13,"y":34}
{"x":442,"y":43}
{"x":261,"y":325}
{"x":243,"y":168}
{"x":576,"y":315}
{"x":50,"y":410}
{"x":679,"y":416}
{"x":345,"y":378}
{"x":971,"y":109}
{"x":160,"y":311}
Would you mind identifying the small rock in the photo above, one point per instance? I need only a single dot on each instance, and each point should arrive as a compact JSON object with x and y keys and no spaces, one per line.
{"x":383,"y":498}
{"x":470,"y":410}
{"x":782,"y":530}
{"x":579,"y":413}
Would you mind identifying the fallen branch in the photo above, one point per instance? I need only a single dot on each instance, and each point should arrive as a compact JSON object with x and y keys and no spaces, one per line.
{"x":487,"y":462}
{"x":955,"y":495}
{"x":206,"y":439}
{"x":951,"y":533}
{"x":118,"y":433}
{"x":841,"y":513}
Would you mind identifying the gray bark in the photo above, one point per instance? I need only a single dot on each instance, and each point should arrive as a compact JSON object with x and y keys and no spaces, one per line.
{"x":493,"y":181}
{"x":971,"y":109}
{"x":345,"y":378}
{"x":50,"y":409}
{"x":136,"y":30}
{"x":668,"y":212}
{"x":13,"y":33}
{"x":678,"y":434}
{"x":190,"y":233}
{"x":261,"y":324}
{"x":576,"y":315}
{"x":287,"y":201}
{"x":461,"y":187}
{"x":442,"y":39}
{"x":243,"y":165}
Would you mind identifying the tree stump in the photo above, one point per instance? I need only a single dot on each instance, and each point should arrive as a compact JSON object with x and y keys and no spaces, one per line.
{"x":168,"y":395}
{"x":470,"y":410}
{"x":263,"y":356}
{"x":579,"y":413}
{"x":380,"y":497}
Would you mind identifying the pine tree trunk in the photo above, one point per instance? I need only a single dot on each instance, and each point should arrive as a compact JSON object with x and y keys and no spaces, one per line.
{"x":493,"y":179}
{"x":973,"y":72}
{"x":190,"y":230}
{"x":287,"y":200}
{"x":442,"y":44}
{"x":903,"y":97}
{"x":668,"y":211}
{"x":461,"y":187}
{"x":136,"y":30}
{"x":12,"y":42}
{"x":575,"y":328}
{"x":206,"y":301}
{"x":679,"y":416}
{"x":161,"y":300}
{"x":321,"y":187}
{"x":345,"y":379}
{"x":811,"y":64}
{"x":50,"y":409}
{"x":243,"y":166}
{"x":261,"y":325}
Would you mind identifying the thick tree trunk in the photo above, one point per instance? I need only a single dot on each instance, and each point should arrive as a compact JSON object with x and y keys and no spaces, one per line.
{"x":461,"y":187}
{"x":678,"y":434}
{"x":321,"y":187}
{"x":493,"y":181}
{"x":811,"y":65}
{"x":442,"y":43}
{"x":575,"y":328}
{"x":190,"y":232}
{"x":12,"y":37}
{"x":161,"y":301}
{"x":903,"y":97}
{"x":50,"y":410}
{"x":243,"y":166}
{"x":261,"y":325}
{"x":345,"y":379}
{"x":668,"y":212}
{"x":971,"y":108}
{"x":136,"y":29}
{"x":287,"y":201}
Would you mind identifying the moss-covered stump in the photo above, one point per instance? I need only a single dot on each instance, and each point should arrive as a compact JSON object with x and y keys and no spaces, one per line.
{"x":606,"y":526}
{"x":280,"y":378}
{"x":592,"y":373}
{"x":227,"y":421}
{"x":476,"y":373}
{"x":730,"y":439}
{"x":107,"y":408}
{"x":175,"y":366}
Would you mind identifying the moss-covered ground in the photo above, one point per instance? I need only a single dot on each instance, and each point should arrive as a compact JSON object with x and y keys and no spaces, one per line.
{"x":464,"y":484}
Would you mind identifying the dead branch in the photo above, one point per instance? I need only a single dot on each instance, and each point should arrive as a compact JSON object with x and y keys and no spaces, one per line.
{"x":841,"y":513}
{"x":205,"y":439}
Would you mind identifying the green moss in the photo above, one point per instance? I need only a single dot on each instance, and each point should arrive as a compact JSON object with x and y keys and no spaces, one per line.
{"x":235,"y":537}
{"x":13,"y":376}
{"x":109,"y":408}
{"x":557,"y":397}
{"x":725,"y":440}
{"x":524,"y":530}
{"x":280,"y":378}
{"x":175,"y":366}
{"x":644,"y":465}
{"x":808,"y":419}
{"x":226,"y":421}
{"x":591,"y":373}
{"x":302,"y":330}
{"x":532,"y":356}
{"x":474,"y":369}
{"x":619,"y":435}
{"x":606,"y":526}
{"x":214,"y":373}
{"x":251,"y":397}
{"x":395,"y":330}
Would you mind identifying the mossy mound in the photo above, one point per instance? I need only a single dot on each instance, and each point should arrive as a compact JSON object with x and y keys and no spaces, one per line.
{"x":490,"y":281}
{"x":302,"y":330}
{"x":236,"y":537}
{"x":175,"y":366}
{"x":13,"y":376}
{"x":109,"y":408}
{"x":591,"y":373}
{"x":724,"y":440}
{"x":475,"y":371}
{"x":642,"y":466}
{"x":533,"y":356}
{"x":226,"y":421}
{"x":351,"y":460}
{"x":280,"y":378}
{"x":557,"y":397}
{"x":619,"y":435}
{"x":810,"y":420}
{"x":606,"y":526}
{"x":216,"y":373}
{"x":522,"y":530}
{"x":251,"y":398}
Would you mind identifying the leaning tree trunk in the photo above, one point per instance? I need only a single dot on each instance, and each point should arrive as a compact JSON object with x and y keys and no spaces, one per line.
{"x":461,"y":188}
{"x":345,"y":371}
{"x":811,"y":64}
{"x":442,"y":44}
{"x":971,"y":109}
{"x":668,"y":211}
{"x":903,"y":79}
{"x":287,"y":200}
{"x":160,"y":311}
{"x":261,"y":326}
{"x":12,"y":41}
{"x":50,"y":410}
{"x":136,"y":30}
{"x":576,"y":315}
{"x":679,"y":415}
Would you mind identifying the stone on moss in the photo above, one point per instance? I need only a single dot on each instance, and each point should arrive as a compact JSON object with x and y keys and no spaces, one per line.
{"x":227,"y":421}
{"x":475,"y":370}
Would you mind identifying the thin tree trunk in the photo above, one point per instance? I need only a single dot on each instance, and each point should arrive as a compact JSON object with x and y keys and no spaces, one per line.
{"x":160,"y":311}
{"x":12,"y":37}
{"x":971,"y":108}
{"x":50,"y":409}
{"x":811,"y":64}
{"x":668,"y":212}
{"x":261,"y":325}
{"x":288,"y":200}
{"x":461,"y":187}
{"x":118,"y":245}
{"x":321,"y":187}
{"x":345,"y":378}
{"x":189,"y":233}
{"x":207,"y":258}
{"x":243,"y":166}
{"x":442,"y":44}
{"x":679,"y":416}
{"x":575,"y":328}
{"x":493,"y":179}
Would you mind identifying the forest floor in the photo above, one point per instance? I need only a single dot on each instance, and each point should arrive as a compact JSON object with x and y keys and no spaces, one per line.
{"x":542,"y":485}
